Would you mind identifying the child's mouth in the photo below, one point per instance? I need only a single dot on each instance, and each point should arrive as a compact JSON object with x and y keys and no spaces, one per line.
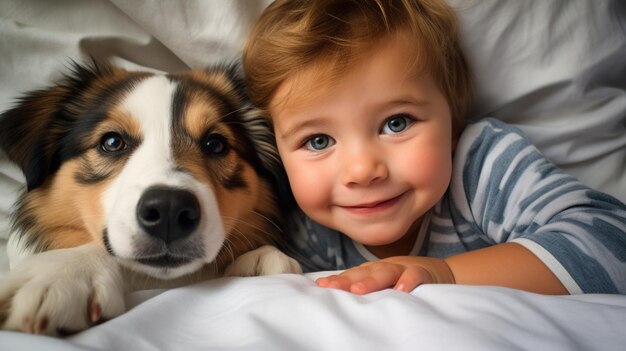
{"x":371,"y":207}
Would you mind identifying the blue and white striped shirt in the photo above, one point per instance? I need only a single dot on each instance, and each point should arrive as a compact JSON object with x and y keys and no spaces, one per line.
{"x":502,"y":190}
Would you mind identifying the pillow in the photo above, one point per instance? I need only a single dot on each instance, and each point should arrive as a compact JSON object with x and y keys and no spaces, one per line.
{"x":556,"y":69}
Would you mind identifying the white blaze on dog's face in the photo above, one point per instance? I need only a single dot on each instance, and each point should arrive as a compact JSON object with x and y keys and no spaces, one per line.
{"x":165,"y":172}
{"x":150,"y":106}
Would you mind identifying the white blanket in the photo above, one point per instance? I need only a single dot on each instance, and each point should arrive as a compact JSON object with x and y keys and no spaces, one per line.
{"x":556,"y":69}
{"x":288,"y":312}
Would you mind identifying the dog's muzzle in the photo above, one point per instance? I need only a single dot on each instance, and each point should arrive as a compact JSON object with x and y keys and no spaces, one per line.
{"x":168,"y":214}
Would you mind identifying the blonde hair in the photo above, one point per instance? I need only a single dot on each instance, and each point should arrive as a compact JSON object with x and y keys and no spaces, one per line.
{"x":292,"y":35}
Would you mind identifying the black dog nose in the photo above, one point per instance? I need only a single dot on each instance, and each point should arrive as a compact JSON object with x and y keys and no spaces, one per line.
{"x":167,"y":213}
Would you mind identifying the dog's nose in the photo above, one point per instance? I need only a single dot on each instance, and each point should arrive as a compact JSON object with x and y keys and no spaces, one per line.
{"x":167,"y":213}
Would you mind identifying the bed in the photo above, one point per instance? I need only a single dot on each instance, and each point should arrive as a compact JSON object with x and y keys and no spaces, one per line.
{"x":556,"y":69}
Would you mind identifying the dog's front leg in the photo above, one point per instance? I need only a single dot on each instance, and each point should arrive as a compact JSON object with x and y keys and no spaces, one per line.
{"x":265,"y":260}
{"x":61,"y":291}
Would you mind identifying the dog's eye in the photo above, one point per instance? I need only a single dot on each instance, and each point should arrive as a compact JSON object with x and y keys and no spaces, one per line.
{"x":215,"y":145}
{"x":112,"y":143}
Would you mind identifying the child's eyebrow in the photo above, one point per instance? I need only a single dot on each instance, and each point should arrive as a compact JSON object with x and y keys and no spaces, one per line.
{"x":308,"y":123}
{"x":408,"y":101}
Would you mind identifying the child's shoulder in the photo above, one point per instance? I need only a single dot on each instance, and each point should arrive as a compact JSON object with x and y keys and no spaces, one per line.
{"x":492,"y":124}
{"x":489,"y":143}
{"x":489,"y":131}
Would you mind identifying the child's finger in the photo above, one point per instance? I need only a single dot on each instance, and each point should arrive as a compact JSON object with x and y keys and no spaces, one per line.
{"x":412,"y":277}
{"x":346,"y":279}
{"x":378,"y":279}
{"x":335,"y":282}
{"x":323,"y":282}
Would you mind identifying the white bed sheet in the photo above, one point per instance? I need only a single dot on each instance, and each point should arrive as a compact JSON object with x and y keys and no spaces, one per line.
{"x":554,"y":68}
{"x":288,"y":312}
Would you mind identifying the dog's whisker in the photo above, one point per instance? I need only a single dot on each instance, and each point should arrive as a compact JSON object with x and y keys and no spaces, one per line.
{"x":267,"y":219}
{"x":260,"y":229}
{"x":234,"y":111}
{"x":243,"y":239}
{"x":228,"y":251}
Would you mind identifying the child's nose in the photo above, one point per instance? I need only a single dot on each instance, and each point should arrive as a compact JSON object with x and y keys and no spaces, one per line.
{"x":363,"y":167}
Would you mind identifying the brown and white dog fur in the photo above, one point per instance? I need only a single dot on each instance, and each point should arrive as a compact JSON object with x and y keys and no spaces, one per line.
{"x":134,"y":180}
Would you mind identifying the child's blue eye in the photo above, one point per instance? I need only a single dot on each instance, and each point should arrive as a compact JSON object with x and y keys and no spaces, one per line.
{"x":319,"y":142}
{"x":397,"y":124}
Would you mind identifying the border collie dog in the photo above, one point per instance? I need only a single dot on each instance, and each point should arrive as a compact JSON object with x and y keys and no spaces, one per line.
{"x":135,"y":180}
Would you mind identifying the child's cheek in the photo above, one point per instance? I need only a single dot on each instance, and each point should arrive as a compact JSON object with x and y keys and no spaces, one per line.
{"x":311,"y":186}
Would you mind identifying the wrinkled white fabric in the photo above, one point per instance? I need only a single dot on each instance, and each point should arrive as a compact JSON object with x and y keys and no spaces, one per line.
{"x":556,"y":69}
{"x":288,"y":312}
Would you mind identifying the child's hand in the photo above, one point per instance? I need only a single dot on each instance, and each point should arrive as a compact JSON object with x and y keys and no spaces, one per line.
{"x":403,"y":273}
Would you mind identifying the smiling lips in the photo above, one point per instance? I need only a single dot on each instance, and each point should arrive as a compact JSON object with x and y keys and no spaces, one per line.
{"x":373,"y":207}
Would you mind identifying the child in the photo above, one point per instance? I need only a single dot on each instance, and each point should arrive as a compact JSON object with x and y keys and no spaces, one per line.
{"x":367,"y":99}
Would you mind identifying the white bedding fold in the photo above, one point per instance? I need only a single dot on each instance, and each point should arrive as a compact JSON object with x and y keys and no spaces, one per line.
{"x":288,"y":312}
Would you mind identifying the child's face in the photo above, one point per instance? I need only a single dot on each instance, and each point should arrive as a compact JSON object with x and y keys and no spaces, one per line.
{"x":369,"y":155}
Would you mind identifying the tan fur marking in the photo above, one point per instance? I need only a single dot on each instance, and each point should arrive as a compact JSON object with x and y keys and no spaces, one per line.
{"x":120,"y":119}
{"x":69,"y":213}
{"x":247,"y":214}
{"x":218,"y":80}
{"x":235,"y":204}
{"x":200,"y":115}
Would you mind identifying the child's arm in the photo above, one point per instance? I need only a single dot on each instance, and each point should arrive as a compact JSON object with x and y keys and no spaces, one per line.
{"x":508,"y":265}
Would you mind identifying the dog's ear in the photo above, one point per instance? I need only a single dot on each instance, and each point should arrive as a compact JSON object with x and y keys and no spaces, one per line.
{"x":30,"y":132}
{"x":23,"y":132}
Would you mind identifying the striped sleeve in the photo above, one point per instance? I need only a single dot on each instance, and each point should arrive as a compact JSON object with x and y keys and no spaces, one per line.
{"x":509,"y":192}
{"x":318,"y":248}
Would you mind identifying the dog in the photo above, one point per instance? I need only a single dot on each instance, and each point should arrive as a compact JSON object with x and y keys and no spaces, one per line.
{"x":135,"y":180}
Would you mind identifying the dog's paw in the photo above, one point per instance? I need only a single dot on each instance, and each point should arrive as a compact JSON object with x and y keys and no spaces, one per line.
{"x":265,"y":260}
{"x":61,"y":291}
